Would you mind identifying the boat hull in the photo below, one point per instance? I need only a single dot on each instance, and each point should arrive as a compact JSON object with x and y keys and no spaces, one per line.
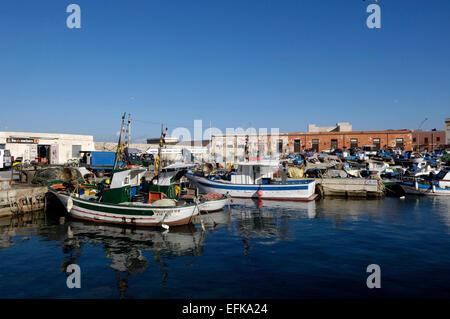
{"x":421,"y":189}
{"x":139,"y":215}
{"x":300,"y":191}
{"x":213,"y":205}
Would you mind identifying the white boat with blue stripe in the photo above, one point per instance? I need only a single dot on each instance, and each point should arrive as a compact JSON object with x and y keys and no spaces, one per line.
{"x":255,"y":180}
{"x":438,"y":185}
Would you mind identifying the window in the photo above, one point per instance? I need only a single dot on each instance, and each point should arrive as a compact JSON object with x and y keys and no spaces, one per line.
{"x":376,"y":143}
{"x":426,"y":141}
{"x":280,"y":146}
{"x":399,"y":142}
{"x":438,"y":139}
{"x":353,"y":142}
{"x":76,"y":151}
{"x":414,"y":139}
{"x":315,"y":145}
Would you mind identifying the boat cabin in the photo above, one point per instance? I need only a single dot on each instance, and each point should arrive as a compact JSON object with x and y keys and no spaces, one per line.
{"x":167,"y":179}
{"x":124,"y":185}
{"x":443,"y":178}
{"x":171,"y":173}
{"x":254,"y":172}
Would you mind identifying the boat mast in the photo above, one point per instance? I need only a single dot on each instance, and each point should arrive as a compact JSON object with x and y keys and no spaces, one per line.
{"x":119,"y":151}
{"x":246,"y":148}
{"x":162,"y":141}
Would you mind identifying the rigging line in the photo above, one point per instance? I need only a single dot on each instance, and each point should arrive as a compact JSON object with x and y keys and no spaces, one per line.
{"x":165,"y":123}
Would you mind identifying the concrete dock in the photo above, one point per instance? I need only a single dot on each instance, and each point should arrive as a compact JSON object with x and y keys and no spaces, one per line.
{"x":16,"y":198}
{"x":350,"y":187}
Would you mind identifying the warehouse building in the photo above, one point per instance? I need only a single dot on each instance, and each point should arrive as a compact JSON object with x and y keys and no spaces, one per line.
{"x":46,"y":147}
{"x":428,"y":140}
{"x":322,"y":141}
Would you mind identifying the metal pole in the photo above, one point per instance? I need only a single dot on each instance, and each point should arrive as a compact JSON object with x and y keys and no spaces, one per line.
{"x":129,"y":130}
{"x":116,"y":160}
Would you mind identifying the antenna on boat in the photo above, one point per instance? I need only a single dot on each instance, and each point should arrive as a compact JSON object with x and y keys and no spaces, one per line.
{"x":129,"y":131}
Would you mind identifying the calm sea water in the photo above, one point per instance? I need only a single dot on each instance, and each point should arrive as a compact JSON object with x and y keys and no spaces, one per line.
{"x":280,"y":250}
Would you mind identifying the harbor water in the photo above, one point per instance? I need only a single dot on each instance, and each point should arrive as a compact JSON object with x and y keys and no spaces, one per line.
{"x":257,"y":250}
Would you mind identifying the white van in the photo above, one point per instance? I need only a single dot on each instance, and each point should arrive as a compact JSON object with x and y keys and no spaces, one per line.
{"x":5,"y":159}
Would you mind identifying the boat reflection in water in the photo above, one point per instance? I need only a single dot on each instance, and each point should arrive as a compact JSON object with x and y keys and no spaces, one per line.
{"x":25,"y":226}
{"x":125,"y":246}
{"x":269,"y":221}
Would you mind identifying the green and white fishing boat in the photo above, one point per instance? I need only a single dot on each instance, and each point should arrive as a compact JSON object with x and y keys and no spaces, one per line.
{"x":120,"y":201}
{"x":115,"y":204}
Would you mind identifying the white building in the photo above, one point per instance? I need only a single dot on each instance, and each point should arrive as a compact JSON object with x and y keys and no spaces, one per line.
{"x":180,"y":153}
{"x":231,"y":147}
{"x":46,"y":147}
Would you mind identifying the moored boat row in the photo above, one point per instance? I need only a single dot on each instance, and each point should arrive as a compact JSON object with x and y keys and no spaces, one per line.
{"x":176,"y":193}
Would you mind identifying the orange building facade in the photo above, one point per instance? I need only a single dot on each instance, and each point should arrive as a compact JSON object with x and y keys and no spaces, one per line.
{"x":320,"y":141}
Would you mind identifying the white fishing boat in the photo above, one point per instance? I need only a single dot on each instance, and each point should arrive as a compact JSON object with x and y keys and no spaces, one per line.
{"x":437,"y":185}
{"x":254,"y":179}
{"x":213,"y":205}
{"x":168,"y":180}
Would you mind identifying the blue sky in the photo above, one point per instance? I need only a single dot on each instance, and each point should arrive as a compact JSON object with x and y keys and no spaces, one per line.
{"x":269,"y":63}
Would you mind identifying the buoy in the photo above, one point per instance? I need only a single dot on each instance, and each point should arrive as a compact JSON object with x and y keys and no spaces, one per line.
{"x":260,"y":193}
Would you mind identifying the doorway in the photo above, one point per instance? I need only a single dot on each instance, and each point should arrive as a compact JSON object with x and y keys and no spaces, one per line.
{"x":376,"y":143}
{"x":43,"y":153}
{"x":334,"y":144}
{"x":280,"y":146}
{"x":315,"y":145}
{"x":297,"y":146}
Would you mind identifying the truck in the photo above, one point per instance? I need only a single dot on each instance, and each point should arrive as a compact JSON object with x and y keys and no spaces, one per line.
{"x":5,"y":159}
{"x":98,"y":162}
